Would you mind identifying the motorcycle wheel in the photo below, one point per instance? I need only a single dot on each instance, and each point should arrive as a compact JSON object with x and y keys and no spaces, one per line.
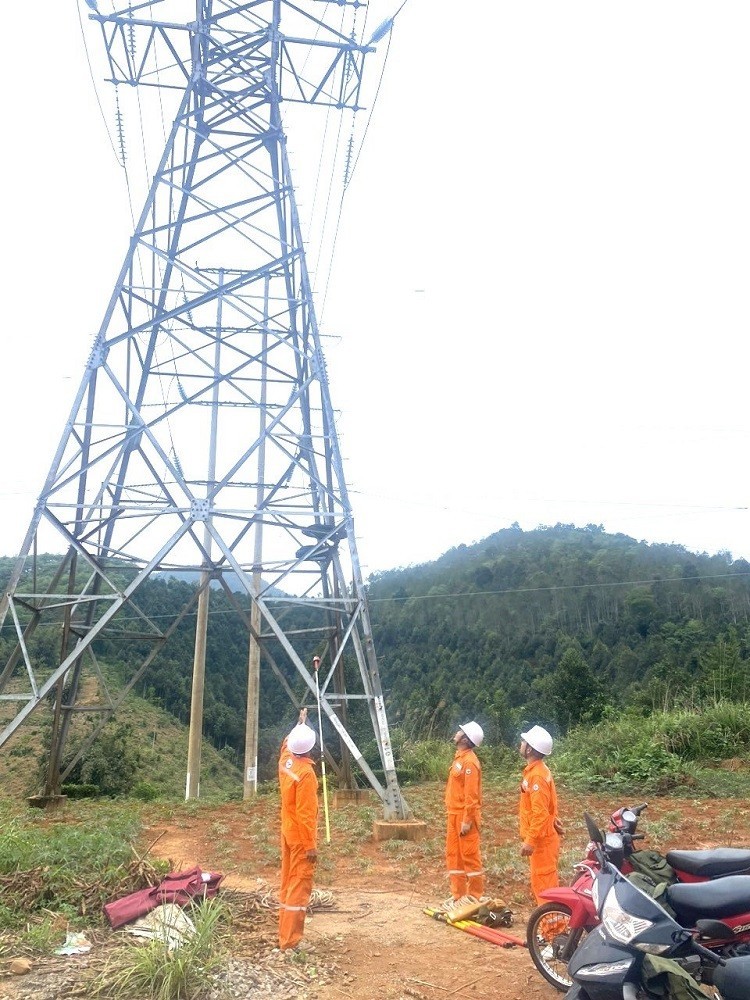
{"x":548,"y":932}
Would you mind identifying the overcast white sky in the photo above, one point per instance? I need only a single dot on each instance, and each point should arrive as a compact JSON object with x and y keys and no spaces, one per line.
{"x":539,"y":301}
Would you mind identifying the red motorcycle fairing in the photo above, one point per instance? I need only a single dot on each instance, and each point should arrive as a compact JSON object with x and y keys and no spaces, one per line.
{"x":683,"y":876}
{"x":581,"y":907}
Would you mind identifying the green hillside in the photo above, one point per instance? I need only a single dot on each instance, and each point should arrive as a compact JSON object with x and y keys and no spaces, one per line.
{"x":557,"y":625}
{"x":143,"y":752}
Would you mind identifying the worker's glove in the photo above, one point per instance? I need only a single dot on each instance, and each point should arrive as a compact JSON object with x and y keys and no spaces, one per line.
{"x":465,"y":827}
{"x":494,"y":916}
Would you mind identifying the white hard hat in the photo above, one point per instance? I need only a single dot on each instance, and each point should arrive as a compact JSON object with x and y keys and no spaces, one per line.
{"x":474,"y":732}
{"x":539,"y":739}
{"x":301,"y":739}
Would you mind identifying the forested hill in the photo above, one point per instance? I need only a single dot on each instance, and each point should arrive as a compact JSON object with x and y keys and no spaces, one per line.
{"x":554,"y":624}
{"x":548,"y":625}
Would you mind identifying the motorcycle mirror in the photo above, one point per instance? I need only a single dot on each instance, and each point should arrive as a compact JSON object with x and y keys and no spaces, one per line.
{"x":614,"y":848}
{"x":593,"y":830}
{"x":715,"y":929}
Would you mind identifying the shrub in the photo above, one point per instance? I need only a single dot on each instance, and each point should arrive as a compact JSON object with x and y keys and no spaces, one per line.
{"x":660,"y":753}
{"x":145,"y":791}
{"x":85,"y":791}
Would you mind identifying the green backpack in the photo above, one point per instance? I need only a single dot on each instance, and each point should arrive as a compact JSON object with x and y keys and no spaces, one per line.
{"x":665,"y":978}
{"x":654,"y":865}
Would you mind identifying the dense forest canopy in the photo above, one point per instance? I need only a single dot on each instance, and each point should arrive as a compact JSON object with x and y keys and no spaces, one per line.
{"x":555,"y":624}
{"x":549,"y":625}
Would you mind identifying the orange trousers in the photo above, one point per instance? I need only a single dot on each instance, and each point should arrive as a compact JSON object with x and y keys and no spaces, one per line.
{"x":463,"y":859}
{"x":294,"y":894}
{"x":543,"y":866}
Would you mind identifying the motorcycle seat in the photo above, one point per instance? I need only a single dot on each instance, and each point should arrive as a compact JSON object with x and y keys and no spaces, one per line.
{"x":711,"y":864}
{"x":723,"y":897}
{"x":733,"y":979}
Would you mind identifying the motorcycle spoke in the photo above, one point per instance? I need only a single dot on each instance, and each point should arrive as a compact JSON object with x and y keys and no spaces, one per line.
{"x":549,"y":937}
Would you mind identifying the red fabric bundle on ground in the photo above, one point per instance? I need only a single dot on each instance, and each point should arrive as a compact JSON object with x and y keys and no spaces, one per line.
{"x":177,"y":887}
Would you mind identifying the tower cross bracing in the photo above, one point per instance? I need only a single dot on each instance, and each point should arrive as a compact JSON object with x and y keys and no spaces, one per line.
{"x":202,"y":437}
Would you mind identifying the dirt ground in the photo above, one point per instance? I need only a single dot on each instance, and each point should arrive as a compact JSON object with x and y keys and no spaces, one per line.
{"x":376,"y":936}
{"x":372,"y":938}
{"x":375,"y":940}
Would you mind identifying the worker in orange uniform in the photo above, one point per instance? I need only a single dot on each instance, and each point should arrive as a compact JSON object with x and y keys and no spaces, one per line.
{"x":463,"y":805}
{"x":539,"y":823}
{"x":299,"y":831}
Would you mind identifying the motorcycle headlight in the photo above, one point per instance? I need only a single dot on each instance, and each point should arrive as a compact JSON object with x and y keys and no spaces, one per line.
{"x":618,"y":923}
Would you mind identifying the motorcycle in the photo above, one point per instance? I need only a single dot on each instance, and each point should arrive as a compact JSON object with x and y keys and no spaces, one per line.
{"x":556,"y":928}
{"x":681,"y":866}
{"x":640,"y":952}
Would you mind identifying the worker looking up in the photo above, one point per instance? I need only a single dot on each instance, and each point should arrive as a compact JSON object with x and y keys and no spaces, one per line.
{"x":299,"y":831}
{"x":539,"y":824}
{"x":463,"y":805}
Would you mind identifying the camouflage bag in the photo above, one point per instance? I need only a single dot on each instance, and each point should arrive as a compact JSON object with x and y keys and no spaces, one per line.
{"x":654,"y":865}
{"x":665,"y":978}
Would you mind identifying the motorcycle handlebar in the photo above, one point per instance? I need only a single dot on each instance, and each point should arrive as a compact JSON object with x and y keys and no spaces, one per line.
{"x":707,"y":953}
{"x":639,"y":809}
{"x":685,"y":936}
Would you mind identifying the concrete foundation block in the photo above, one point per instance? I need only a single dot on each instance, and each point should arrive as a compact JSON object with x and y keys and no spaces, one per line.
{"x":403,"y":829}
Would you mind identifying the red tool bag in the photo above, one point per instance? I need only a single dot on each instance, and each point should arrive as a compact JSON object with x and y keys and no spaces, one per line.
{"x":177,"y":887}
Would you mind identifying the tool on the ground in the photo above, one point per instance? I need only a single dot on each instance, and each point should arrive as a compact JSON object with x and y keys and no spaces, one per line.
{"x":316,"y":665}
{"x":462,"y":912}
{"x":469,"y":909}
{"x":494,"y":915}
{"x":490,"y":934}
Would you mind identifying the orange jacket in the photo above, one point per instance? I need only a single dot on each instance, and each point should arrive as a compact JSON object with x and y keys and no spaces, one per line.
{"x":299,"y":800}
{"x":463,"y":792}
{"x":537,"y":806}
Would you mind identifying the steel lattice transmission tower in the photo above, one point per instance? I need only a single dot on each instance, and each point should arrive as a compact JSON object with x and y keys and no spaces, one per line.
{"x":202,"y":436}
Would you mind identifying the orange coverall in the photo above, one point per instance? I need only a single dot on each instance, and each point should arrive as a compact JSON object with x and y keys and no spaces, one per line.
{"x":537,"y":811}
{"x":463,"y":804}
{"x":299,"y":834}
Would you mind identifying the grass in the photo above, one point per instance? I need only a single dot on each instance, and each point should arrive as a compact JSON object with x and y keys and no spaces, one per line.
{"x":731,"y":825}
{"x":662,"y":830}
{"x":57,"y":870}
{"x":43,"y":935}
{"x":162,"y":972}
{"x":504,"y":865}
{"x":678,"y":752}
{"x":46,"y":860}
{"x":162,"y":757}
